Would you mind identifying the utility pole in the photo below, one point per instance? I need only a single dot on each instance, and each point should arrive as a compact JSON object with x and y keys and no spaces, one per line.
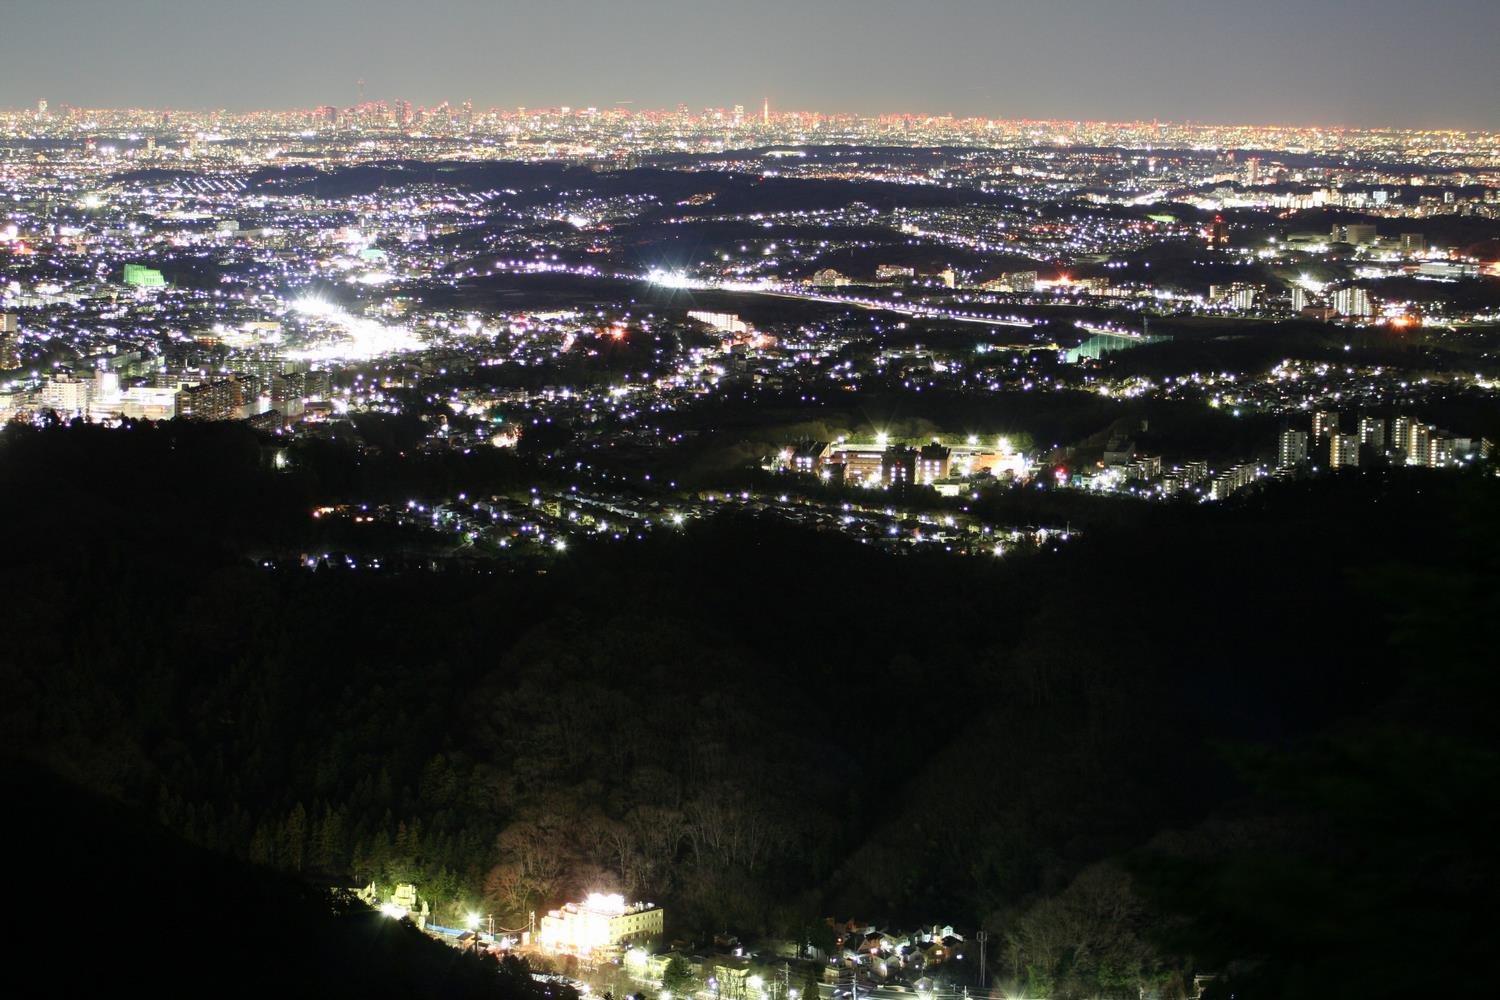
{"x":981,"y":937}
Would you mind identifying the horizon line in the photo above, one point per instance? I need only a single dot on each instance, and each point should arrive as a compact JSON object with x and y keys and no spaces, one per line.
{"x":620,"y":108}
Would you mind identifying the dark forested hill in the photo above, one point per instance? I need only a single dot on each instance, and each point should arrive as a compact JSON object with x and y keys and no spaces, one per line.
{"x":760,"y":727}
{"x":108,"y":902}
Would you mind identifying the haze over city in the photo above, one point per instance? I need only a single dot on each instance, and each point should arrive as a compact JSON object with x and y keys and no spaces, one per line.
{"x":1364,"y":62}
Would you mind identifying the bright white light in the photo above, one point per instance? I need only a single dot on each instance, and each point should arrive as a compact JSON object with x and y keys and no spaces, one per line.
{"x":672,"y":279}
{"x":580,"y":928}
{"x":366,"y":338}
{"x":393,"y":911}
{"x":311,"y":305}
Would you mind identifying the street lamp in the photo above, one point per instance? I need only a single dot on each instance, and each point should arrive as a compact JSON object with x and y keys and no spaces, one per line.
{"x":473,"y":922}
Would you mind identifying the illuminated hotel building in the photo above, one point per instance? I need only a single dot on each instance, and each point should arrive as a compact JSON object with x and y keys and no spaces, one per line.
{"x":932,"y":463}
{"x":862,"y":464}
{"x":879,"y":464}
{"x":898,"y":465}
{"x":600,"y":921}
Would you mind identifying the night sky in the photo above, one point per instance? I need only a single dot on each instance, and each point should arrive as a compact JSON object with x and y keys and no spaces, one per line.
{"x":1354,"y":62}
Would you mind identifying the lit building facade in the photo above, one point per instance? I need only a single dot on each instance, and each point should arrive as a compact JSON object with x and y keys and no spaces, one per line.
{"x":600,"y":921}
{"x":1343,"y":451}
{"x":1291,"y":449}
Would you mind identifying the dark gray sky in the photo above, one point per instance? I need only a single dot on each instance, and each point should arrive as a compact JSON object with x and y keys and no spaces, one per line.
{"x":1357,"y":62}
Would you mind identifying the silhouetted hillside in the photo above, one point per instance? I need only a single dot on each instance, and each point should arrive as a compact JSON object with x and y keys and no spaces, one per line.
{"x":105,"y":902}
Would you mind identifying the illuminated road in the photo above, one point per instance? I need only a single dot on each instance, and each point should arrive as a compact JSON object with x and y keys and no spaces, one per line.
{"x":905,"y":309}
{"x":674,"y":280}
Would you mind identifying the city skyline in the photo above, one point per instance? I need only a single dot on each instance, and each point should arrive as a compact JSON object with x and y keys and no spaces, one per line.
{"x":752,"y":113}
{"x":1278,"y":64}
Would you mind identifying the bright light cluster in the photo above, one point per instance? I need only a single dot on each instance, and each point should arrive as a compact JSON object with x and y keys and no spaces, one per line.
{"x":365,"y":339}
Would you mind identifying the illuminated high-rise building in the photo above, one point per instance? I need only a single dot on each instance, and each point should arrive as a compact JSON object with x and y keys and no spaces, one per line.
{"x":1439,"y":450}
{"x":65,"y":396}
{"x":1343,"y":451}
{"x":1419,"y":444}
{"x":233,"y":398}
{"x":10,"y":342}
{"x":1325,"y":423}
{"x":1291,"y":448}
{"x":1401,"y":428}
{"x":1239,"y":295}
{"x":1218,"y":232}
{"x":1352,"y":301}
